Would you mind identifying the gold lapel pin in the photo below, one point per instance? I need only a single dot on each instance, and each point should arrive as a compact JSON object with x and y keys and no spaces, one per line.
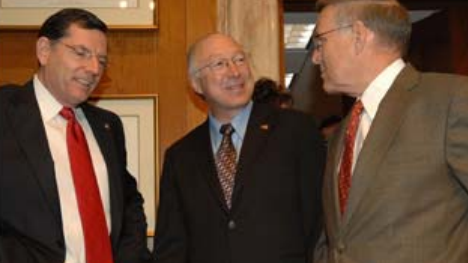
{"x":264,"y":127}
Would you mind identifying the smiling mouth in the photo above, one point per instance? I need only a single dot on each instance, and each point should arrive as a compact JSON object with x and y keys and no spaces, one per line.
{"x":235,"y":87}
{"x":85,"y":82}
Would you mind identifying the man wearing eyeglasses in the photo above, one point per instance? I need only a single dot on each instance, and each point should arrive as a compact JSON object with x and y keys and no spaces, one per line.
{"x":395,"y":185}
{"x":249,"y":195}
{"x":65,"y":192}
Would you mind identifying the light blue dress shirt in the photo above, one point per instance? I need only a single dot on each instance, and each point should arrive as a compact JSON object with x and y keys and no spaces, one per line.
{"x":239,"y":122}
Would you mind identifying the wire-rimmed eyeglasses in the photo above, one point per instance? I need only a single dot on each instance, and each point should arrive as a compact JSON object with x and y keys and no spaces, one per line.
{"x":84,"y":54}
{"x":318,"y":39}
{"x":220,"y":65}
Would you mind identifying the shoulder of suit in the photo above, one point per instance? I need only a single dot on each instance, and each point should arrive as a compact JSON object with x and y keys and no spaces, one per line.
{"x":10,"y":89}
{"x":14,"y":93}
{"x":265,"y":111}
{"x":295,"y":116}
{"x":88,"y":107}
{"x":443,"y":82}
{"x":193,"y":137}
{"x":444,"y":77}
{"x":101,"y":114}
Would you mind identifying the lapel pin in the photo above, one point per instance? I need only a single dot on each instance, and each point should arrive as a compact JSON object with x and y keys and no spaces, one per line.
{"x":264,"y":127}
{"x":107,"y":126}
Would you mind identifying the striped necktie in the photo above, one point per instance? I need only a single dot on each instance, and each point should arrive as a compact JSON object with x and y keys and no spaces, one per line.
{"x":226,"y":162}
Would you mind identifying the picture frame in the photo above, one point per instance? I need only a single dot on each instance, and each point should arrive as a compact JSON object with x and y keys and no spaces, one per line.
{"x":118,"y":14}
{"x":139,"y":115}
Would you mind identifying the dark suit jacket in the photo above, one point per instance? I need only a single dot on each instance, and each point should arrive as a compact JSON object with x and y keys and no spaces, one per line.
{"x":30,"y":219}
{"x":276,"y":201}
{"x":408,"y":201}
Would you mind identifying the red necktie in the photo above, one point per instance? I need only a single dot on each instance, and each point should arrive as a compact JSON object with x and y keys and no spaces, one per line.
{"x":96,"y":235}
{"x":347,"y":158}
{"x":226,"y":162}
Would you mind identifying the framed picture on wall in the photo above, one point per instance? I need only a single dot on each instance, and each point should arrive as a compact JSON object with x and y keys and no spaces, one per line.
{"x":139,"y":115}
{"x":118,"y":14}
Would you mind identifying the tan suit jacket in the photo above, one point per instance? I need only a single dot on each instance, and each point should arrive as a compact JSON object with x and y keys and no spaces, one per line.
{"x":408,"y":199}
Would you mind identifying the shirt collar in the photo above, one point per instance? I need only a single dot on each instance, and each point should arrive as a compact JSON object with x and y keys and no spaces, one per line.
{"x":48,"y":105}
{"x":239,"y":122}
{"x":375,"y":92}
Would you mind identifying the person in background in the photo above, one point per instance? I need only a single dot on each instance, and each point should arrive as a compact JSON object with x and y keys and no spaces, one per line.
{"x":244,"y":186}
{"x":395,"y":185}
{"x":65,"y":192}
{"x":285,"y":100}
{"x":267,"y":90}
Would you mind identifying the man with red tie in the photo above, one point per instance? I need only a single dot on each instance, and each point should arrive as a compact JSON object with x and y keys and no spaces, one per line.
{"x":396,"y":179}
{"x":65,"y":192}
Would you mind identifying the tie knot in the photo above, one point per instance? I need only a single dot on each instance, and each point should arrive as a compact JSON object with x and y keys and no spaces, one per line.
{"x":67,"y":113}
{"x":226,"y":129}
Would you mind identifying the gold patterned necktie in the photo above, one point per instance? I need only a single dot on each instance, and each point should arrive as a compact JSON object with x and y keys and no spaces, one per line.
{"x":226,"y":162}
{"x":348,"y":155}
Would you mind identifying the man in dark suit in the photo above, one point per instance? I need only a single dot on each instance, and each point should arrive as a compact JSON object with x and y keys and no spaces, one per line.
{"x":41,"y":215}
{"x":273,"y":212}
{"x":397,"y":192}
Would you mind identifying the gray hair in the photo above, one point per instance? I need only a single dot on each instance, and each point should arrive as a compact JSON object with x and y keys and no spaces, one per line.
{"x":388,"y":19}
{"x":195,"y":48}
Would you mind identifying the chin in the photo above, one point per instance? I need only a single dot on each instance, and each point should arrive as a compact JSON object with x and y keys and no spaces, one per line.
{"x":330,"y":89}
{"x":238,"y":104}
{"x":80,"y":98}
{"x":327,"y":89}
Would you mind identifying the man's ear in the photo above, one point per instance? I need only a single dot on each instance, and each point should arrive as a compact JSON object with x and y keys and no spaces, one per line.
{"x":43,"y":48}
{"x":196,"y":85}
{"x":361,"y":36}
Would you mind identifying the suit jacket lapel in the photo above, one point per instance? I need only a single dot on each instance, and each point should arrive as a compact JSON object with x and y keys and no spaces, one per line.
{"x":388,"y":119}
{"x":330,"y":193}
{"x":259,"y":127}
{"x":206,"y":166}
{"x":24,"y":115}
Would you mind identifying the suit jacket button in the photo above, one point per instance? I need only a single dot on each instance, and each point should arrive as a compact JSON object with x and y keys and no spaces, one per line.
{"x":231,"y":225}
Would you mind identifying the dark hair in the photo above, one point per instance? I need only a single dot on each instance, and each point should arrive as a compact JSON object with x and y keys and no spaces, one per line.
{"x":269,"y":91}
{"x":265,"y":91}
{"x":285,"y":99}
{"x":57,"y":25}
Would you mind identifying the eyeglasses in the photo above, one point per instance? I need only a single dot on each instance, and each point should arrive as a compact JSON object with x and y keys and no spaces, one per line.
{"x":318,"y":39}
{"x":222,"y":64}
{"x":84,"y":54}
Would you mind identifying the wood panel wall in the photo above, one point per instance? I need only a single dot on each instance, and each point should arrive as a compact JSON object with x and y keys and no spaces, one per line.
{"x":141,"y":62}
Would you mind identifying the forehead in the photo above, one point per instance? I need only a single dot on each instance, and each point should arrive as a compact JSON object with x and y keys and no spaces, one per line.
{"x":218,"y":46}
{"x":87,"y":37}
{"x":326,"y":17}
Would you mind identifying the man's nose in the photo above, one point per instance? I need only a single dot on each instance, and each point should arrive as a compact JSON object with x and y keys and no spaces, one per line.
{"x":233,"y":68}
{"x":316,"y":56}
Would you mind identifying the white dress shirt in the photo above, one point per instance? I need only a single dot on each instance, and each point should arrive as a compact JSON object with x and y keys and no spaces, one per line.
{"x":371,"y":99}
{"x":55,"y":127}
